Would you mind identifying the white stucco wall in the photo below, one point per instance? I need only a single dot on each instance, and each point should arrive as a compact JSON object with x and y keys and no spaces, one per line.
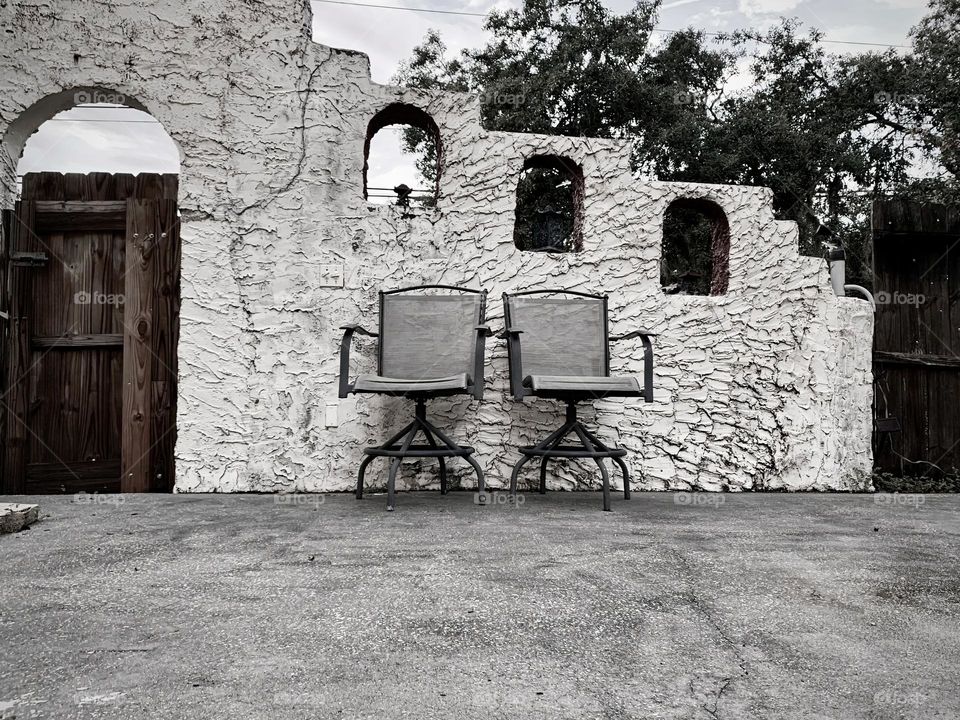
{"x":767,"y":386}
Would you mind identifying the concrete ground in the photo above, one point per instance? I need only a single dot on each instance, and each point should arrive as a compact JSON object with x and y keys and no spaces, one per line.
{"x":672,"y":606}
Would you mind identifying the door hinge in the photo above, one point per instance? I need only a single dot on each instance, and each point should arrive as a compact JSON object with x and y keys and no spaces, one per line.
{"x":28,"y":259}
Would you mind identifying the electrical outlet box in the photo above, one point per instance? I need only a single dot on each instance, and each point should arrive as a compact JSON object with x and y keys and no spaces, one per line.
{"x":331,"y":275}
{"x":332,"y":415}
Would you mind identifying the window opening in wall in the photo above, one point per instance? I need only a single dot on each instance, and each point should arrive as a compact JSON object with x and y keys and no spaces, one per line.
{"x":695,"y":255}
{"x":402,"y":158}
{"x":549,"y":210}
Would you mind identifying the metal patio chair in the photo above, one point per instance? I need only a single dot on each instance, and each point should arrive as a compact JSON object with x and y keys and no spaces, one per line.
{"x":431,"y":345}
{"x":564,"y":337}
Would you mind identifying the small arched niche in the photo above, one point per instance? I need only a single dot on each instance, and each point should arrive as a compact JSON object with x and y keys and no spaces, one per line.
{"x":411,"y":156}
{"x":695,"y":252}
{"x":549,"y":210}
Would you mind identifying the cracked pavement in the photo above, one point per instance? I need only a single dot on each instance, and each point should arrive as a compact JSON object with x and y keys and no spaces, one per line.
{"x":248,"y":606}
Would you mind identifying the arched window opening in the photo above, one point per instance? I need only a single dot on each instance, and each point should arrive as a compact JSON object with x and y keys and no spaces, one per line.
{"x":695,"y":254}
{"x":98,"y":133}
{"x":402,"y":158}
{"x":549,"y":212}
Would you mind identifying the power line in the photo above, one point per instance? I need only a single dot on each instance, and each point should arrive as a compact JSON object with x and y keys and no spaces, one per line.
{"x":103,"y":106}
{"x":397,"y":7}
{"x":656,"y":29}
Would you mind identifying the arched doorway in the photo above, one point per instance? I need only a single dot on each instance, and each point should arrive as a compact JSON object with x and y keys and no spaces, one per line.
{"x":90,"y":299}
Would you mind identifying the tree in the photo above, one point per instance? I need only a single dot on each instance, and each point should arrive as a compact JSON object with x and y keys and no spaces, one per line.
{"x":429,"y":69}
{"x":937,"y":47}
{"x":570,"y":67}
{"x":826,"y":133}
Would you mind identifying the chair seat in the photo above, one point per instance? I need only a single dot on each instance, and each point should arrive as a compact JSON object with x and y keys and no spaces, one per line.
{"x":401,"y":386}
{"x":598,"y":386}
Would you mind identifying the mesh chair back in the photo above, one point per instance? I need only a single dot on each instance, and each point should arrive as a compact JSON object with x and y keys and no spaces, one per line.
{"x":426,"y":336}
{"x":562,"y":334}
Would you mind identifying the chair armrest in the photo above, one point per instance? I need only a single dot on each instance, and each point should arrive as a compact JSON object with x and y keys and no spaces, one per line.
{"x":353,"y":327}
{"x":483,"y":332}
{"x":512,"y":336}
{"x":633,"y":334}
{"x":348,"y":332}
{"x":647,"y":359}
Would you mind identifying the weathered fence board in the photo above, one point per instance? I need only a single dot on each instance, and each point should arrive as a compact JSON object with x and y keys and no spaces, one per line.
{"x":917,"y":335}
{"x":84,"y":359}
{"x":142,"y":234}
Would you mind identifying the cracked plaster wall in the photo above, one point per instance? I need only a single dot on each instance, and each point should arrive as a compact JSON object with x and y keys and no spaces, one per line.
{"x":768,"y":386}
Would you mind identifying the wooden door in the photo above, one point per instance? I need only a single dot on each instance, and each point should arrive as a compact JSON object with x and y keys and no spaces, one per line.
{"x":916,"y":354}
{"x":94,"y":293}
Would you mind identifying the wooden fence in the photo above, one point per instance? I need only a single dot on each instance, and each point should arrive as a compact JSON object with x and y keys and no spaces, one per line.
{"x":92,"y":275}
{"x":916,"y":355}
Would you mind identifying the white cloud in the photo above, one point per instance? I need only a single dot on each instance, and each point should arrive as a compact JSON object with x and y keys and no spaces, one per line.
{"x":389,"y":36}
{"x":678,"y":3}
{"x":767,"y":7}
{"x":911,"y":4}
{"x":870,"y":33}
{"x":99,"y":139}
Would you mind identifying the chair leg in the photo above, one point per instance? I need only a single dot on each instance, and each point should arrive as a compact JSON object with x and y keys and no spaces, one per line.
{"x":366,"y":461}
{"x":444,"y":438}
{"x":363,"y":468}
{"x":395,"y":465}
{"x":626,"y":477}
{"x":598,"y":443}
{"x":481,"y":487}
{"x":603,"y":470}
{"x":516,"y":472}
{"x":443,"y":464}
{"x":555,"y":438}
{"x":606,"y":484}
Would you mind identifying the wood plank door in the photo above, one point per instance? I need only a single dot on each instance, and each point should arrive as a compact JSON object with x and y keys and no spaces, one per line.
{"x":916,"y":356}
{"x":93,"y":324}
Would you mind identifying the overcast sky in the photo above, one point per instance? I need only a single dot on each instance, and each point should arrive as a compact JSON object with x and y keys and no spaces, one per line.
{"x":80,"y":140}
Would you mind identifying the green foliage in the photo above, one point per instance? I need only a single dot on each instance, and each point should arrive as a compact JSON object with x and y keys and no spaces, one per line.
{"x":685,"y":266}
{"x":545,"y":211}
{"x":937,"y":71}
{"x":948,"y":482}
{"x":429,"y":69}
{"x":827,"y":133}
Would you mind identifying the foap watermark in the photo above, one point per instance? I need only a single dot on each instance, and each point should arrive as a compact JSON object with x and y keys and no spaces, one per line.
{"x":501,"y":99}
{"x":494,"y":498}
{"x":85,"y":498}
{"x":912,"y":500}
{"x":701,"y":499}
{"x":87,"y":97}
{"x":300,"y":499}
{"x":895,"y":696}
{"x":683,"y":97}
{"x":896,"y":98}
{"x":898,"y":298}
{"x":97,"y":298}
